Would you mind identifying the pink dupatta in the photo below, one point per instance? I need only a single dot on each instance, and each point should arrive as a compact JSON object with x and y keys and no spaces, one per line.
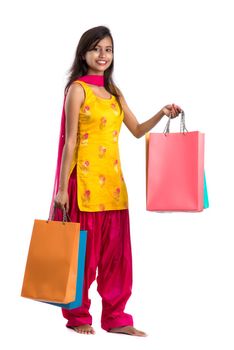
{"x":89,"y":79}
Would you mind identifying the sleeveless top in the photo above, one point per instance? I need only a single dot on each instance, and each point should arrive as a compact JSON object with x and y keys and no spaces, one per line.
{"x":100,"y":182}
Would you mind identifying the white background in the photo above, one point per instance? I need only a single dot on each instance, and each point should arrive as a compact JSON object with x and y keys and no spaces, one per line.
{"x":165,"y":52}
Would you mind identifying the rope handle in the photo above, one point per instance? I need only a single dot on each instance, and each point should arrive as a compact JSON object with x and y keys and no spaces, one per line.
{"x":66,"y":217}
{"x":182,"y":124}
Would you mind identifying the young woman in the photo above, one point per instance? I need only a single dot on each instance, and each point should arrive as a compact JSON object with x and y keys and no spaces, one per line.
{"x":89,"y":183}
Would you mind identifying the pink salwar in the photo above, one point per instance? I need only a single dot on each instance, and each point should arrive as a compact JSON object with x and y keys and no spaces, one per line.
{"x":108,"y":250}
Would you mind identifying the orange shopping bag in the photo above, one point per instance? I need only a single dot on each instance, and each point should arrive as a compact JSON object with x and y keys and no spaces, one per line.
{"x":51,"y":268}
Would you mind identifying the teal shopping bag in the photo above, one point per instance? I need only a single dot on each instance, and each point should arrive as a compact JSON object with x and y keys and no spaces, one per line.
{"x":206,"y":199}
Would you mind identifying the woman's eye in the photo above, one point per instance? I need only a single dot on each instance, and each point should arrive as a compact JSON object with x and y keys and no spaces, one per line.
{"x":96,"y":49}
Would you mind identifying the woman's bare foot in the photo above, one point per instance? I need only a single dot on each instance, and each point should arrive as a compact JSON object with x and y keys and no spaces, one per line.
{"x":128,"y":330}
{"x":84,"y":329}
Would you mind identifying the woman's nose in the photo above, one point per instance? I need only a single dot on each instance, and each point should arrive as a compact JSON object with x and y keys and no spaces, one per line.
{"x":102,"y":53}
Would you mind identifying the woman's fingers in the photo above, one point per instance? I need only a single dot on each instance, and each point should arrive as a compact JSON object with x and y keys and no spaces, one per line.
{"x":173,"y":111}
{"x":176,"y":110}
{"x":179,"y":110}
{"x":61,"y":200}
{"x":59,"y":204}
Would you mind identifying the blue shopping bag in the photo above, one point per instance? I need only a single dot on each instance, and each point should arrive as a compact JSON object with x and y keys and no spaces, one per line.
{"x":206,"y":199}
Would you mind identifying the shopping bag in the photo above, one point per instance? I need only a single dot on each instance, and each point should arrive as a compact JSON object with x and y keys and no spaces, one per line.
{"x":80,"y":275}
{"x":175,"y":170}
{"x":206,"y":198}
{"x":51,"y":267}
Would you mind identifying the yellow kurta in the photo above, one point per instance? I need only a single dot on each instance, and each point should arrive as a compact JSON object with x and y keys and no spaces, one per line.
{"x":100,"y":180}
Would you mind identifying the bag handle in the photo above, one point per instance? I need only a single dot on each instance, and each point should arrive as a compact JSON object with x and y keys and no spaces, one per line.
{"x":66,"y":217}
{"x":182,"y":124}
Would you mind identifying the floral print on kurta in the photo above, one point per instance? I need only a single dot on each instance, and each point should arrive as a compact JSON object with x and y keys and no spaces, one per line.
{"x":100,"y":180}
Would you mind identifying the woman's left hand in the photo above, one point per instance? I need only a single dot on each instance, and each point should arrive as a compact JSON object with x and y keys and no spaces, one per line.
{"x":171,"y":110}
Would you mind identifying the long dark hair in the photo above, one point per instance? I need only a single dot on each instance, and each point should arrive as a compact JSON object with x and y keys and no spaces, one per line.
{"x":87,"y":42}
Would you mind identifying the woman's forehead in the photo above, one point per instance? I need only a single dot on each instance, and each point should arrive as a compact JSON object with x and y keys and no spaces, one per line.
{"x":105,"y":42}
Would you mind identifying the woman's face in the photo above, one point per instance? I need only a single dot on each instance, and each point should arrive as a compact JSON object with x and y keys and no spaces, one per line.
{"x":100,"y":57}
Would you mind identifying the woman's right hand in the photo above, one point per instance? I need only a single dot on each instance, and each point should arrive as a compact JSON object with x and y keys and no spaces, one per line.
{"x":62,"y":200}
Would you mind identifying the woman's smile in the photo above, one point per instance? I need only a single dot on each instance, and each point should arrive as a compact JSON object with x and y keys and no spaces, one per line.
{"x":102,"y":62}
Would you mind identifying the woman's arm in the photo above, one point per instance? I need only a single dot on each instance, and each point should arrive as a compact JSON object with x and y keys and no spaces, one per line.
{"x":139,"y":129}
{"x":74,"y":100}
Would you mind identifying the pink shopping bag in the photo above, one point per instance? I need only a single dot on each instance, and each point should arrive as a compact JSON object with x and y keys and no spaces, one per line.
{"x":175,"y":170}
